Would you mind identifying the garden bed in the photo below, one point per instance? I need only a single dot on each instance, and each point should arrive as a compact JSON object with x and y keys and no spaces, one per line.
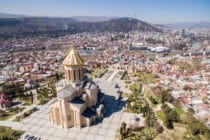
{"x":98,"y":73}
{"x":25,"y":114}
{"x":6,"y":133}
{"x":6,"y":114}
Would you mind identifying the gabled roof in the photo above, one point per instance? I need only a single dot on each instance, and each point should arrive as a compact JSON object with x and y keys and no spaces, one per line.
{"x":73,"y":59}
{"x":66,"y":92}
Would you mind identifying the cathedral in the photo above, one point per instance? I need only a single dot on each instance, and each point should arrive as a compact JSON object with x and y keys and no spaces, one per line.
{"x":79,"y":101}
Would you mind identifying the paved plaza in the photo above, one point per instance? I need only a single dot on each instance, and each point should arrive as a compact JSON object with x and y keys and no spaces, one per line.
{"x":38,"y":124}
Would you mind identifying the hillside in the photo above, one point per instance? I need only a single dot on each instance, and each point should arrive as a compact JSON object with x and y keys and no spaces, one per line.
{"x":92,"y":18}
{"x":116,"y":25}
{"x":43,"y":26}
{"x":6,"y":15}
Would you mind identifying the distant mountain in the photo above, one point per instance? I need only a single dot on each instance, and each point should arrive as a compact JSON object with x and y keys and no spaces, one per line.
{"x":92,"y":18}
{"x":114,"y":25}
{"x":6,"y":15}
{"x":44,"y":26}
{"x":77,"y":18}
{"x":188,"y":25}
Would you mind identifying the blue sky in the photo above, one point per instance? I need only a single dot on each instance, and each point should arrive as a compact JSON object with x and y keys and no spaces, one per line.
{"x":155,"y":11}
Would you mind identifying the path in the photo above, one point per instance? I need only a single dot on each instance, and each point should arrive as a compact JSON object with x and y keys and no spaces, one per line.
{"x":155,"y":110}
{"x":113,"y":75}
{"x":20,"y":113}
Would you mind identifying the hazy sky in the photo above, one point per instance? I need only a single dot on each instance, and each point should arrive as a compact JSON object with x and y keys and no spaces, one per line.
{"x":156,"y":11}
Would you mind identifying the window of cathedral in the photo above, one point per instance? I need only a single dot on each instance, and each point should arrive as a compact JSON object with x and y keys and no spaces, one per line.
{"x":69,"y":75}
{"x":74,"y":75}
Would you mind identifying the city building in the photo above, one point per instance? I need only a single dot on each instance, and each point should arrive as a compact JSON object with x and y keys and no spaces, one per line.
{"x":79,"y":100}
{"x":183,"y":33}
{"x":5,"y":100}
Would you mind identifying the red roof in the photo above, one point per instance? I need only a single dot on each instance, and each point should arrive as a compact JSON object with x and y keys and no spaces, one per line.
{"x":5,"y":99}
{"x":3,"y":95}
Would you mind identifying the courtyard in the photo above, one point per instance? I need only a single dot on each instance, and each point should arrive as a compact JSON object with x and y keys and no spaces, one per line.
{"x":38,"y":124}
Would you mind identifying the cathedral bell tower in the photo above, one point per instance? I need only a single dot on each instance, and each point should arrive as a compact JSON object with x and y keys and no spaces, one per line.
{"x":73,"y":66}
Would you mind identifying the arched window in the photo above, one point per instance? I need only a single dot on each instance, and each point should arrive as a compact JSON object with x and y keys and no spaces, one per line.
{"x":69,"y":75}
{"x":74,"y":75}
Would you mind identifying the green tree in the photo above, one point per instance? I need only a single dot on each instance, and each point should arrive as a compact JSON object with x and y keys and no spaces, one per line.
{"x":123,"y":130}
{"x":168,"y":123}
{"x":191,"y":110}
{"x":158,"y":128}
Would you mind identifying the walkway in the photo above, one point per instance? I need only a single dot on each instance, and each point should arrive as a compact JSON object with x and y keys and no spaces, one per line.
{"x":113,"y":75}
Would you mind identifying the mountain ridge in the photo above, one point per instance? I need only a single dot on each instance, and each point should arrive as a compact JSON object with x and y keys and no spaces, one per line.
{"x":92,"y":19}
{"x":78,"y":18}
{"x":46,"y":26}
{"x":8,"y":15}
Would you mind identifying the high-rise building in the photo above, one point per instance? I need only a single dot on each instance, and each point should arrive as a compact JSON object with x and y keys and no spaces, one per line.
{"x":79,"y":101}
{"x":183,"y":35}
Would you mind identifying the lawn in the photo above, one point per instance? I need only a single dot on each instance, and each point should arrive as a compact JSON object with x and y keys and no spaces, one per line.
{"x":4,"y":115}
{"x":153,"y":101}
{"x":179,"y":110}
{"x":25,"y":114}
{"x":158,"y":99}
{"x":126,"y":95}
{"x":135,"y":88}
{"x":178,"y":133}
{"x":161,"y":115}
{"x":147,"y":93}
{"x":141,"y":133}
{"x":6,"y":133}
{"x":7,"y":116}
{"x":99,"y":72}
{"x":135,"y":74}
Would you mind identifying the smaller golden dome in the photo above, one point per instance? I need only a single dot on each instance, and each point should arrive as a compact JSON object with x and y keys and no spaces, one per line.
{"x":73,"y":59}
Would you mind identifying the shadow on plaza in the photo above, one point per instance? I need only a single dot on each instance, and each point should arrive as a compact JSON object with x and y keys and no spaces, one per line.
{"x":111,"y":106}
{"x":16,"y":103}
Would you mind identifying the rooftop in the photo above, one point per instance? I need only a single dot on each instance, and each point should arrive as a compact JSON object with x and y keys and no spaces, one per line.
{"x":66,"y":92}
{"x":73,"y":59}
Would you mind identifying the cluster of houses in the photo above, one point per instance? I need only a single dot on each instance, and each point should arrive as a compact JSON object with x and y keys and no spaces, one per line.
{"x":191,"y":89}
{"x":31,"y":66}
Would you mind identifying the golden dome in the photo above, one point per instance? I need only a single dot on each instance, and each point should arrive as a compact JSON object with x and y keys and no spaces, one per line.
{"x":73,"y":59}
